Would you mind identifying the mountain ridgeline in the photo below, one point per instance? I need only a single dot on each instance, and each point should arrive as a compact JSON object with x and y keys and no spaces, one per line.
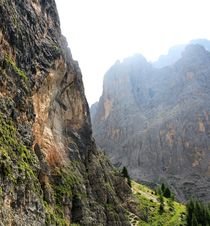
{"x":51,"y":172}
{"x":175,"y":53}
{"x":156,"y":121}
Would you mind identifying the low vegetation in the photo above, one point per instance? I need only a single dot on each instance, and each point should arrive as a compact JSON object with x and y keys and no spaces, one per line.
{"x":156,"y":209}
{"x":12,"y":63}
{"x":13,"y":151}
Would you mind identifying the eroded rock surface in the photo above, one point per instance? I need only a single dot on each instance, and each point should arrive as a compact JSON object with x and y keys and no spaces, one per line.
{"x":157,"y":121}
{"x":51,"y":172}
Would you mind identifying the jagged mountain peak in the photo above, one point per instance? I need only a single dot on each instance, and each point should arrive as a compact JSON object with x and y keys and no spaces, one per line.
{"x":136,"y":58}
{"x":195,"y":50}
{"x":175,"y":53}
{"x":156,"y":122}
{"x":128,"y":63}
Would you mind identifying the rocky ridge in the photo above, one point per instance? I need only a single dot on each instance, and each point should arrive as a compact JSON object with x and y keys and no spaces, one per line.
{"x":51,"y":172}
{"x":175,"y":53}
{"x":156,"y":121}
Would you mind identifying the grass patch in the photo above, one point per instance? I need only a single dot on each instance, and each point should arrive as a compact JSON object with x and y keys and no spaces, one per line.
{"x":21,"y":73}
{"x":64,"y":179}
{"x":14,"y":156}
{"x":149,"y":204}
{"x":54,"y":217}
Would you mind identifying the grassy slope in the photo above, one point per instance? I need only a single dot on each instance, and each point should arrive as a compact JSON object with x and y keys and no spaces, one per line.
{"x":149,"y":209}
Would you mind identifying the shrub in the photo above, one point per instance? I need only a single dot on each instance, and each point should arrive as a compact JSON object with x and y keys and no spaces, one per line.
{"x":165,"y":191}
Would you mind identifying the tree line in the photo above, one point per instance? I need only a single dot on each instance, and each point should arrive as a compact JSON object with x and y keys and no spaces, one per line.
{"x":198,"y":213}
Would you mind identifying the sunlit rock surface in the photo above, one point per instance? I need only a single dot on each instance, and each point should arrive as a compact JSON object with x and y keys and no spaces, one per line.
{"x":51,"y":172}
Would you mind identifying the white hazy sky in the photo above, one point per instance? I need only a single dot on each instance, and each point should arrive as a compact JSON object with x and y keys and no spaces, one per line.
{"x":101,"y":31}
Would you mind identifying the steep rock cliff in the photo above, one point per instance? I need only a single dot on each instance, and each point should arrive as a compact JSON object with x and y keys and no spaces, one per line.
{"x":156,"y":121}
{"x":51,"y":172}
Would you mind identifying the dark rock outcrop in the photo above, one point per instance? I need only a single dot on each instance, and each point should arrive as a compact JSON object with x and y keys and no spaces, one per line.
{"x":51,"y":172}
{"x":157,"y":121}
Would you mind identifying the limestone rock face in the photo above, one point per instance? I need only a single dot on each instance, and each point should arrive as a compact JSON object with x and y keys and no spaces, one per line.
{"x":51,"y":172}
{"x":157,"y":121}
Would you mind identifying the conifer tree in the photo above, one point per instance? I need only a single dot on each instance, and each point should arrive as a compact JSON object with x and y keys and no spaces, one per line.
{"x":126,"y":175}
{"x":197,"y":214}
{"x":194,"y":220}
{"x":167,"y":193}
{"x":161,"y":207}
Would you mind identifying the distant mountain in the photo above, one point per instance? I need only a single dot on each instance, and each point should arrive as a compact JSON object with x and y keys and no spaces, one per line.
{"x":157,"y":121}
{"x":175,"y":53}
{"x":204,"y":42}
